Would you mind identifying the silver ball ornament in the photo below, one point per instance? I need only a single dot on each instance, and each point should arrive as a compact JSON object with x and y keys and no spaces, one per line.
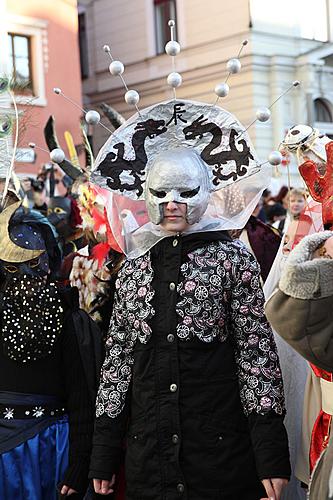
{"x":263,"y":114}
{"x":222,"y":89}
{"x":106,"y":48}
{"x":56,"y":90}
{"x":172,"y":48}
{"x":275,"y":158}
{"x":171,"y":23}
{"x":234,"y":65}
{"x":116,"y":68}
{"x":92,"y":117}
{"x":174,"y":80}
{"x":57,"y":155}
{"x":132,"y":97}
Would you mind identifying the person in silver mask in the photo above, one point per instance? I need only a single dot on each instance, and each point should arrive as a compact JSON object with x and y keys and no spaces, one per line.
{"x":182,"y":168}
{"x":191,"y":378}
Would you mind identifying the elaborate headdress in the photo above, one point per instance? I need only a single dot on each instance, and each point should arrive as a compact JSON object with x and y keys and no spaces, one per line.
{"x":28,"y":243}
{"x":179,"y":150}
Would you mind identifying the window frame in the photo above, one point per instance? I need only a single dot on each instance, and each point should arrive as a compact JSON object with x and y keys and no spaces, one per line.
{"x":30,"y":89}
{"x":36,"y":29}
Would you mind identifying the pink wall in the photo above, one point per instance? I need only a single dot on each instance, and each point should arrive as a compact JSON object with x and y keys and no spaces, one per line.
{"x":61,"y":69}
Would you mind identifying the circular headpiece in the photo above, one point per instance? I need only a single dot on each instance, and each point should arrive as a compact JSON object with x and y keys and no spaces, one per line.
{"x":226,"y":179}
{"x":216,"y":135}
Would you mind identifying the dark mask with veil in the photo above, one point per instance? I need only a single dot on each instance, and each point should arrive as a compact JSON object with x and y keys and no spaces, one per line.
{"x":30,"y":306}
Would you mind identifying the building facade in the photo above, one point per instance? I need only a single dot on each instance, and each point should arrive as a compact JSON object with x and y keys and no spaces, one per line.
{"x":39,"y":47}
{"x":287,"y":41}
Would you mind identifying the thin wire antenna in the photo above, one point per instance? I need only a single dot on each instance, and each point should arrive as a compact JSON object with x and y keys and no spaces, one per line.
{"x":116,"y":69}
{"x":172,"y":48}
{"x":266,"y":115}
{"x":173,"y":60}
{"x":233,"y":67}
{"x":244,"y":43}
{"x":32,"y":145}
{"x":11,"y":166}
{"x":58,"y":91}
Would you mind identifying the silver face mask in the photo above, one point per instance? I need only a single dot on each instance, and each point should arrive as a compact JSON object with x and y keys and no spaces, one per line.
{"x":177,"y":175}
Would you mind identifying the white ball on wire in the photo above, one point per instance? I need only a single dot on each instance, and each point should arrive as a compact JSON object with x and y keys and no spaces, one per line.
{"x":57,"y":155}
{"x":172,"y":48}
{"x":92,"y":117}
{"x":263,"y":114}
{"x":171,"y":23}
{"x":132,"y":97}
{"x":116,"y":68}
{"x":222,"y":89}
{"x":174,"y":79}
{"x":56,"y":90}
{"x":106,"y":48}
{"x":275,"y":158}
{"x":234,"y":65}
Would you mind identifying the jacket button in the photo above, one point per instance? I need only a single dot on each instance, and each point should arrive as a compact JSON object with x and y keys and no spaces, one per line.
{"x":173,"y":387}
{"x":170,"y":337}
{"x":175,"y":242}
{"x":172,"y":286}
{"x":175,"y":438}
{"x":180,"y":488}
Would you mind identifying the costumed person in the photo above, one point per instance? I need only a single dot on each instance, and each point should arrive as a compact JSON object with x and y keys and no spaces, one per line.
{"x":300,"y":311}
{"x":191,"y":375}
{"x":315,"y":170}
{"x":46,"y":395}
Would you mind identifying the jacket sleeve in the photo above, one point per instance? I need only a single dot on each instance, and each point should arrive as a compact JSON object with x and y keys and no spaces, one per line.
{"x":259,"y":374}
{"x":301,"y":310}
{"x":112,"y":398}
{"x":111,"y":406}
{"x":80,"y":411}
{"x":108,"y":442}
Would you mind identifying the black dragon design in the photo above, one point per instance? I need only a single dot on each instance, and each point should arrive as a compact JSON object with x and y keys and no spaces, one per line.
{"x":198,"y":128}
{"x":114,"y":164}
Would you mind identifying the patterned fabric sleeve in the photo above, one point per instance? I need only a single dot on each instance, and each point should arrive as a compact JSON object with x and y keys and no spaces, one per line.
{"x":116,"y":371}
{"x":115,"y":375}
{"x":259,"y":373}
{"x":129,"y":322}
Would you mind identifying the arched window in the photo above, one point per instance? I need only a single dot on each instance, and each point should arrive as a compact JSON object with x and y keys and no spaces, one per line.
{"x":323,"y":111}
